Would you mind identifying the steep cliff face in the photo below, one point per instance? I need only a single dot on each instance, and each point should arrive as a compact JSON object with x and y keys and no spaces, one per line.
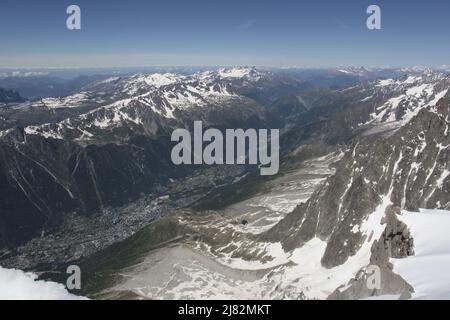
{"x":408,"y":169}
{"x":43,"y":178}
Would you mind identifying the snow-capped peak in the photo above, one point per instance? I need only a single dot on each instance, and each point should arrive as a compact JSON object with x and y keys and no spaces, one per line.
{"x":359,"y":71}
{"x":238,"y":72}
{"x":246,"y":73}
{"x":406,"y":96}
{"x":132,"y":85}
{"x":158,"y":79}
{"x":142,"y":97}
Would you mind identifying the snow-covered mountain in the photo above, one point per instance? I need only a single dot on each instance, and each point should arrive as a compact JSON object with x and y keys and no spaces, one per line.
{"x":407,"y":96}
{"x":149,"y":102}
{"x":380,"y":105}
{"x":325,"y":247}
{"x":124,"y":123}
{"x":248,"y":74}
{"x":310,"y":233}
{"x":355,"y":210}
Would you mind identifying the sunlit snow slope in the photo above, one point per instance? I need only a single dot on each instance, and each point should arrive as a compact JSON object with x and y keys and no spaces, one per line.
{"x":16,"y":284}
{"x":427,"y":270}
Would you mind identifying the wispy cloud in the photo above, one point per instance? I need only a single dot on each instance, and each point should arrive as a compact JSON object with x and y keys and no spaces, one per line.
{"x":343,"y":26}
{"x":247,"y":24}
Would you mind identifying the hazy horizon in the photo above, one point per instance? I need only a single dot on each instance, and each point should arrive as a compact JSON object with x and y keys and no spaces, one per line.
{"x":286,"y":33}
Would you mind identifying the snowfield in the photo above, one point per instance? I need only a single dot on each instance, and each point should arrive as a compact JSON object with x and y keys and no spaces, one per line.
{"x":427,"y":270}
{"x":18,"y":285}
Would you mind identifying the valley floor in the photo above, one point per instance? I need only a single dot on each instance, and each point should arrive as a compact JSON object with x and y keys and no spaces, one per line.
{"x":240,"y":268}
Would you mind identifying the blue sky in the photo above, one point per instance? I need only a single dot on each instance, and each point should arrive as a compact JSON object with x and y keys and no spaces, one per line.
{"x":210,"y":32}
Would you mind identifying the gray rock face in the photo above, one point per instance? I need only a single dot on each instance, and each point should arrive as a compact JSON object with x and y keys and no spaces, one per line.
{"x":45,"y":178}
{"x":357,"y":288}
{"x":395,"y":242}
{"x":410,"y":167}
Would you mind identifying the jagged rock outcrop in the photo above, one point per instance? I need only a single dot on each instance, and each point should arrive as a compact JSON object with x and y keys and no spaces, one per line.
{"x":395,"y":242}
{"x":409,"y":169}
